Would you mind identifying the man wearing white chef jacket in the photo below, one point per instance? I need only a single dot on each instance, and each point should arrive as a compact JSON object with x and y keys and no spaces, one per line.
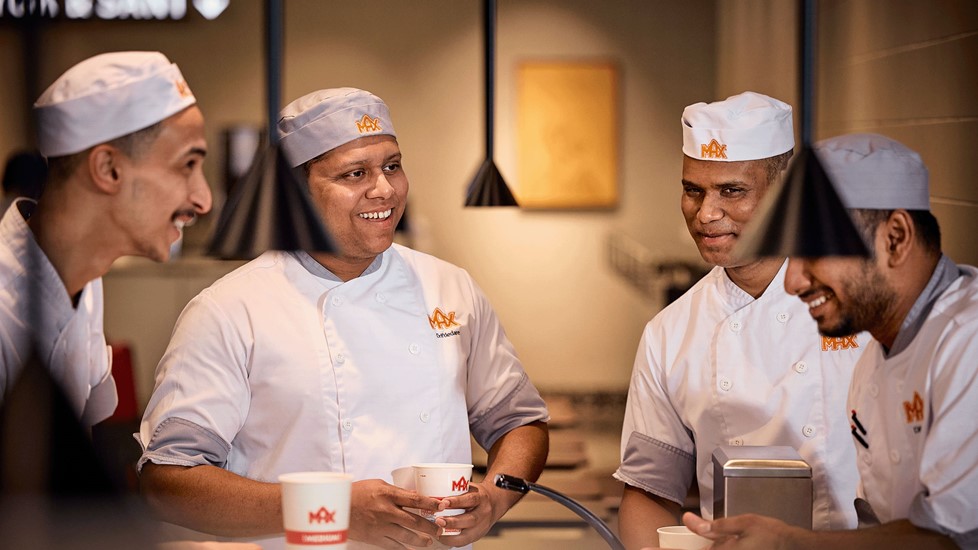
{"x":362,"y":361}
{"x":735,"y":360}
{"x":914,"y":395}
{"x":124,"y":141}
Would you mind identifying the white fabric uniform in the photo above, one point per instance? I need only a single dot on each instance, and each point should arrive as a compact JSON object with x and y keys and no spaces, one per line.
{"x":717,"y":367}
{"x":281,"y":367}
{"x":36,"y":313}
{"x":919,"y":409}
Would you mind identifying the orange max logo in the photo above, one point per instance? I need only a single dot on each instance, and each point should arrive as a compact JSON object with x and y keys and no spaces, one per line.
{"x":713,"y":150}
{"x":440,"y":321}
{"x":367,"y":124}
{"x":322,"y":516}
{"x":836,"y":344}
{"x":914,"y":409}
{"x":461,"y":485}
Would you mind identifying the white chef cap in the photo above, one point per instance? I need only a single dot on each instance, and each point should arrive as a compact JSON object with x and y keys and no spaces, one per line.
{"x":875,"y":172}
{"x":747,"y":126}
{"x":108,"y":96}
{"x":323,"y":120}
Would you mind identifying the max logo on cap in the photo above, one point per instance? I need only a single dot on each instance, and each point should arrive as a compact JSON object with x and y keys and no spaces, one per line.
{"x":182,"y":87}
{"x":713,"y":150}
{"x":367,"y":124}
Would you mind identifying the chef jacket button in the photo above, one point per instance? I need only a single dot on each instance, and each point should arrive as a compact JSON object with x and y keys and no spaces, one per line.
{"x":381,"y":297}
{"x":347,"y":425}
{"x":895,"y":456}
{"x":867,"y":458}
{"x":808,"y":430}
{"x":340,"y":358}
{"x":783,"y":317}
{"x":736,"y":326}
{"x":737,"y":442}
{"x":874,"y":390}
{"x":337,"y":300}
{"x":425,"y":416}
{"x":725,"y":384}
{"x":414,"y":349}
{"x":800,"y":367}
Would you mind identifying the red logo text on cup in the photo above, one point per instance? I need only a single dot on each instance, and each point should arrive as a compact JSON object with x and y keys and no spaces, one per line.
{"x":462,"y":485}
{"x":322,"y":516}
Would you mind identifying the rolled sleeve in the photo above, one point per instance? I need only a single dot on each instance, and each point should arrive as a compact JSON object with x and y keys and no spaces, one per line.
{"x":180,"y":442}
{"x":656,"y":467}
{"x":657,"y":451}
{"x":499,"y":393}
{"x":202,"y":396}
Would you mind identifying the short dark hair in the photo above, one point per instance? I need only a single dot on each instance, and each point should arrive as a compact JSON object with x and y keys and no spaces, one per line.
{"x":928,"y":230}
{"x":24,"y":174}
{"x":134,"y":145}
{"x":777,"y":164}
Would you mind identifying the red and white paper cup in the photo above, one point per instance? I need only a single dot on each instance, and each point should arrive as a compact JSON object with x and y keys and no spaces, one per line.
{"x":316,"y":509}
{"x":440,"y":480}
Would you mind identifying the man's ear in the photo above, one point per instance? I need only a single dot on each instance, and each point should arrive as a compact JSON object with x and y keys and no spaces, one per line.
{"x":900,"y":234}
{"x":106,"y":165}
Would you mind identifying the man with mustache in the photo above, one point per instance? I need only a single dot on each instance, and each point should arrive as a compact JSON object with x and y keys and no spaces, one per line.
{"x":914,"y":394}
{"x":735,"y":360}
{"x":124,"y":142}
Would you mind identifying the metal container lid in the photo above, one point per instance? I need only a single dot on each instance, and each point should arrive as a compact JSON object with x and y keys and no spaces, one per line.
{"x":761,"y":461}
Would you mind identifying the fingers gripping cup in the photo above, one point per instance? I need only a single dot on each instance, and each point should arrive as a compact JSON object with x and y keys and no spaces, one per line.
{"x":316,"y":509}
{"x":440,"y":480}
{"x":680,"y":537}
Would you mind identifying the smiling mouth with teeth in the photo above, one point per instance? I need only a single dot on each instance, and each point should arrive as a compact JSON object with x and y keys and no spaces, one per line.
{"x":818,"y":301}
{"x":377,"y":215}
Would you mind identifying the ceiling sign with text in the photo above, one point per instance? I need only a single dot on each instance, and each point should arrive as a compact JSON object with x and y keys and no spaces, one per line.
{"x":159,"y":10}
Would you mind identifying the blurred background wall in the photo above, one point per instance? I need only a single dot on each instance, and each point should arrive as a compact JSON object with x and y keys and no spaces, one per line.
{"x":905,"y":68}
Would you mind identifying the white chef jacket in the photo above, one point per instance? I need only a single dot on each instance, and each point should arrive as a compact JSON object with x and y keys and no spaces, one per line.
{"x":281,"y":367}
{"x":717,"y":367}
{"x":36,"y":313}
{"x":918,"y":407}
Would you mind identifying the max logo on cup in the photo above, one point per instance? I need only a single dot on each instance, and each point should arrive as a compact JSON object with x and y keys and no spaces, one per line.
{"x":367,"y":124}
{"x":322,"y":516}
{"x":462,"y":485}
{"x":713,"y":150}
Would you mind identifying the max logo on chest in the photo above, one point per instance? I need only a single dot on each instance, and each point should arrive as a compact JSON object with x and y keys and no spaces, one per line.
{"x":914,"y":410}
{"x":441,"y":321}
{"x":839,"y":343}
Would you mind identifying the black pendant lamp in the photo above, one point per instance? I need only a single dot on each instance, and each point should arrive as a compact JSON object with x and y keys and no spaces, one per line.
{"x":488,"y":187}
{"x":270,"y":207}
{"x":804,"y":216}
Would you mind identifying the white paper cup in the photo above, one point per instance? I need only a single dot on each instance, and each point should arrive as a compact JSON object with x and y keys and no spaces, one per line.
{"x":680,"y":537}
{"x":316,"y":509}
{"x":440,"y":480}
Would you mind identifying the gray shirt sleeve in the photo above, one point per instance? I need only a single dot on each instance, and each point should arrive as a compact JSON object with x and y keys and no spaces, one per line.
{"x":656,"y":467}
{"x":181,"y":442}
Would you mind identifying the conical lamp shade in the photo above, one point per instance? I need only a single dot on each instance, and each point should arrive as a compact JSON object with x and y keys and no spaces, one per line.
{"x":802,"y":217}
{"x":488,"y":188}
{"x":269,"y":209}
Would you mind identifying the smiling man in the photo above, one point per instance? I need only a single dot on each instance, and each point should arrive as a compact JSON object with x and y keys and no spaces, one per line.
{"x":735,"y":360}
{"x":364,"y":360}
{"x":914,"y":394}
{"x":125,"y":145}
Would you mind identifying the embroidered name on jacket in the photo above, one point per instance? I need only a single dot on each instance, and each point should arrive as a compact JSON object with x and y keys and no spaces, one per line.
{"x":441,"y":321}
{"x":839,"y":343}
